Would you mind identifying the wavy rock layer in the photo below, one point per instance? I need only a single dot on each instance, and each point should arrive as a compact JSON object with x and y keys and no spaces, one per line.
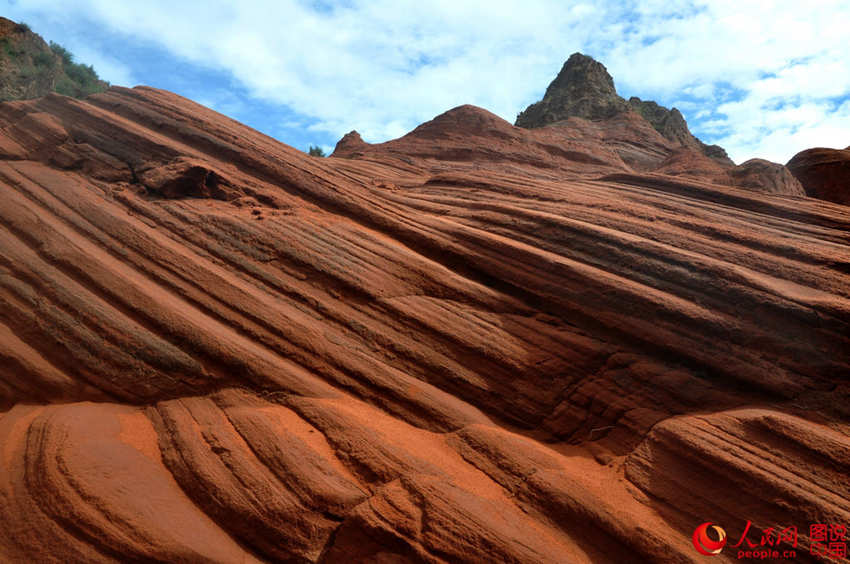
{"x":472,"y":344}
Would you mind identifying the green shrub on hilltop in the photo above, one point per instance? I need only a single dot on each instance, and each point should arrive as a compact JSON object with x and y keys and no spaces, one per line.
{"x":79,"y":80}
{"x":67,"y":56}
{"x":315,"y":151}
{"x":81,"y":73}
{"x":34,"y":68}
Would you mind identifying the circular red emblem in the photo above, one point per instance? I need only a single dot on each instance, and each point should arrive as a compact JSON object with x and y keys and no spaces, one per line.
{"x":704,"y":544}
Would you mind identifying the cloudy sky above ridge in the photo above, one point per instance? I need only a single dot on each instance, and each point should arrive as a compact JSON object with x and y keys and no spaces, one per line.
{"x":763,"y":79}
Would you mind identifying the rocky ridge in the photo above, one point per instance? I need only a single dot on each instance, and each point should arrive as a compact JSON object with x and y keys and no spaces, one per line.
{"x":584,"y":89}
{"x":467,"y":137}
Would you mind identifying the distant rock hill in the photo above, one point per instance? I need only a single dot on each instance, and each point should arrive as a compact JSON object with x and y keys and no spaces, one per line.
{"x":824,"y":173}
{"x":30,"y":67}
{"x":582,"y":128}
{"x":584,"y":89}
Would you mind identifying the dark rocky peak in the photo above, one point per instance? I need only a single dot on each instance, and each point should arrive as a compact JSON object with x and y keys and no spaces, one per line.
{"x":585,"y":89}
{"x":582,"y":75}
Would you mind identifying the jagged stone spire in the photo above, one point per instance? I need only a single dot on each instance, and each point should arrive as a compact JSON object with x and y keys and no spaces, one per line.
{"x":583,"y":89}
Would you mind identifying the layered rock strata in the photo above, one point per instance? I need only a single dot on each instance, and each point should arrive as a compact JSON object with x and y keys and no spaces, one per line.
{"x":476,"y":343}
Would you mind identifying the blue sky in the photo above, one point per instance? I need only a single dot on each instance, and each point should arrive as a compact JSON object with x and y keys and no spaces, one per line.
{"x":762,"y":79}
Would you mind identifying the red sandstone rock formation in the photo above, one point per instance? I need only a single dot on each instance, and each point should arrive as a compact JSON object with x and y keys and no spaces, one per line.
{"x":582,"y":105}
{"x":824,"y":173}
{"x":474,"y":343}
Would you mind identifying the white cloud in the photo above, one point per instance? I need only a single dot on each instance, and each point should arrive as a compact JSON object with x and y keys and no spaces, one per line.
{"x":761,"y":76}
{"x":784,"y":62}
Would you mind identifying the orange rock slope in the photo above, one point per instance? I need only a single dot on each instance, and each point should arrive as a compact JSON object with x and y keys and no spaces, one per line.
{"x":477,"y":343}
